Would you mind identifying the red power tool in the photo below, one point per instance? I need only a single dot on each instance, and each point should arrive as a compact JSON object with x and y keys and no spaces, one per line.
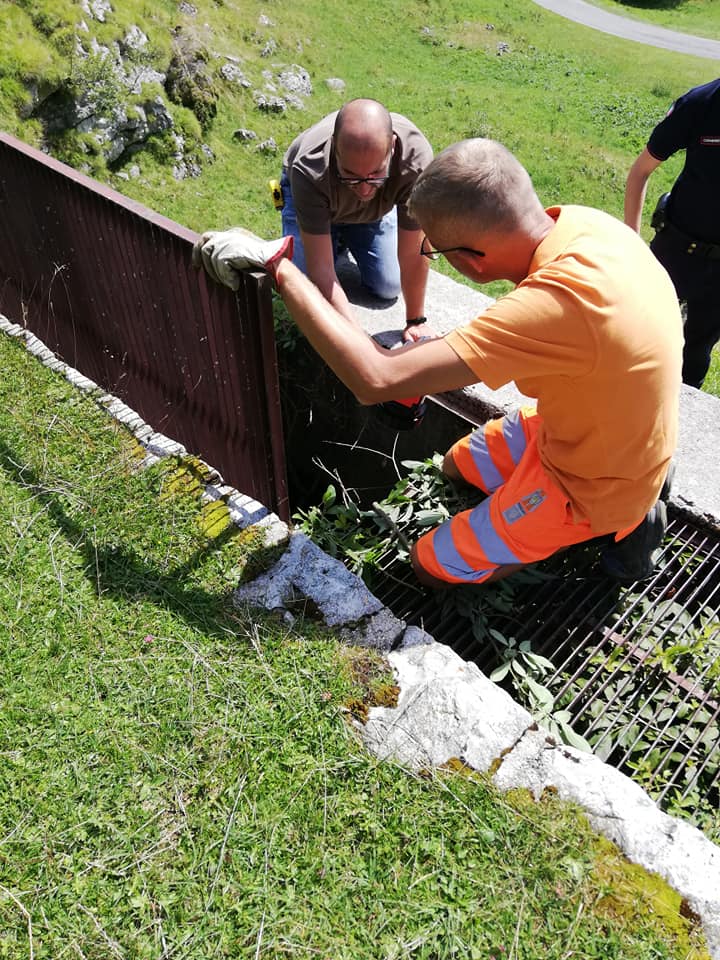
{"x":401,"y":414}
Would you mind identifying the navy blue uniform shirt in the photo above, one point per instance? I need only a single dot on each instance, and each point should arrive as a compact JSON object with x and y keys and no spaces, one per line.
{"x":693,"y":124}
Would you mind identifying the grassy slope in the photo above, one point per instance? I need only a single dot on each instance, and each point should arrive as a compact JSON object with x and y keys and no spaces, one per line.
{"x":179,"y":780}
{"x":576,"y":113}
{"x":575,"y":105}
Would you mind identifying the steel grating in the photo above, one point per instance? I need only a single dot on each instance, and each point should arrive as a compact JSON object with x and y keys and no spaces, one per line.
{"x":638,"y":669}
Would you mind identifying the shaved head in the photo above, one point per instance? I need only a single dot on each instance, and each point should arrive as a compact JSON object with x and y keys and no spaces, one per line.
{"x":363,"y":126}
{"x":476,"y":182}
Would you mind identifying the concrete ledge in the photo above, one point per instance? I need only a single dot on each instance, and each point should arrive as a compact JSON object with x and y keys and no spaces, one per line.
{"x":446,"y":708}
{"x":696,"y":488}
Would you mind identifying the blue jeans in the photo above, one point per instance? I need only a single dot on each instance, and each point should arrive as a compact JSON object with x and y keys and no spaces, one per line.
{"x":373,"y":245}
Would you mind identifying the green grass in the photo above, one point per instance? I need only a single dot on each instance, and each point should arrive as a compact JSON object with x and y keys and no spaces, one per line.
{"x":698,"y":17}
{"x":179,"y":779}
{"x":712,"y":381}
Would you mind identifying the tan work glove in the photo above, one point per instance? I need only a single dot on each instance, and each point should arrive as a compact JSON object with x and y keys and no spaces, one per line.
{"x":223,"y":252}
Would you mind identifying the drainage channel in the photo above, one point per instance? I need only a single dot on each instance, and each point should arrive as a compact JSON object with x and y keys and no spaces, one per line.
{"x":637,"y":669}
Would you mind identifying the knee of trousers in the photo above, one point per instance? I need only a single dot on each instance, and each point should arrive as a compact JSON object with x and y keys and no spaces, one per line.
{"x":386,"y":288}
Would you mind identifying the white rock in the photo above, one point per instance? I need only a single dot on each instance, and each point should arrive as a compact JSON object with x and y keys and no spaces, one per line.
{"x":447,"y":708}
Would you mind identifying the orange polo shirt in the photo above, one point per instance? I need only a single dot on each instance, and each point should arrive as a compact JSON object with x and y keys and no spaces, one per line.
{"x":594,"y":333}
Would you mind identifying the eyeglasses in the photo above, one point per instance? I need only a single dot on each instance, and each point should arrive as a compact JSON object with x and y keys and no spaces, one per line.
{"x":432,"y":254}
{"x":372,"y":181}
{"x":355,"y":181}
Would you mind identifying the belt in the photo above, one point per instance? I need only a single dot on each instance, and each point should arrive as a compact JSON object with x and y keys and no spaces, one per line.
{"x":698,"y":248}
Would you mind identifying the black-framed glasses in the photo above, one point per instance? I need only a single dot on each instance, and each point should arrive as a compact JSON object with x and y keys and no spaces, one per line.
{"x":356,"y":181}
{"x":373,"y":180}
{"x":427,"y":251}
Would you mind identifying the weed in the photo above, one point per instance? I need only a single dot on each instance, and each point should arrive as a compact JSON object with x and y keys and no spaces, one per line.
{"x":95,"y":77}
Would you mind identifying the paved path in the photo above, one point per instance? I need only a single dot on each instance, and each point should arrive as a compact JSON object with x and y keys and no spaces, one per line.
{"x":590,"y":16}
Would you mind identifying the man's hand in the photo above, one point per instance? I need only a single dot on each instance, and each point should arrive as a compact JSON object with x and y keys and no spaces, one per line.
{"x":223,"y":252}
{"x":418,"y":331}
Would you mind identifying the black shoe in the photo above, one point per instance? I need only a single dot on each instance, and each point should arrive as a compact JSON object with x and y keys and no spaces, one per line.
{"x":667,"y":485}
{"x":634,"y":557}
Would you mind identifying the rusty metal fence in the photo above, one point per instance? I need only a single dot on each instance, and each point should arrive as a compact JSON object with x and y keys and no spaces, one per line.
{"x":108,"y":285}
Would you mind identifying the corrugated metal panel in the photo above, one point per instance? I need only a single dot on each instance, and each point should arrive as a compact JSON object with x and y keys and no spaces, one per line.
{"x":108,"y":284}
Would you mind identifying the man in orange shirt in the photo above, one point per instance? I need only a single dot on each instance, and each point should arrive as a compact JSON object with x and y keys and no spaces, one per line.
{"x":592,"y":330}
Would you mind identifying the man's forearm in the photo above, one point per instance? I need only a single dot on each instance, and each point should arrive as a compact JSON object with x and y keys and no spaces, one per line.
{"x":635,"y":191}
{"x":413,"y":273}
{"x":636,"y":188}
{"x":320,"y":260}
{"x":338,"y":298}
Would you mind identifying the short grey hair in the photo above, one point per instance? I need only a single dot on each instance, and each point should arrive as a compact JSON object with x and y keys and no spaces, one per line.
{"x":475,"y":182}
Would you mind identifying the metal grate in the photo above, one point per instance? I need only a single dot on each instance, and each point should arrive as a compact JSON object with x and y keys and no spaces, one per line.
{"x":637,"y":668}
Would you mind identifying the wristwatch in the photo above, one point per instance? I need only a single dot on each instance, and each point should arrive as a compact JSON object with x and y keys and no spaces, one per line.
{"x":415,"y":320}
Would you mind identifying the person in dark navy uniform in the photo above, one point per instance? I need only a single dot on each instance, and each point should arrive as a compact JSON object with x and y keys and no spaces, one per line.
{"x":687,"y":220}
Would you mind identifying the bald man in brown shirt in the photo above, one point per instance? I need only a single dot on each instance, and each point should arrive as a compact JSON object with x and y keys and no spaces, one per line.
{"x":346,"y":180}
